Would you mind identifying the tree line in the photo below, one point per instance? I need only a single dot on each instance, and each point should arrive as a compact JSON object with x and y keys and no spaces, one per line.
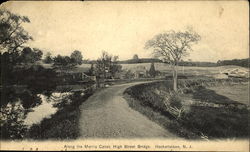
{"x":21,"y":64}
{"x":238,"y":62}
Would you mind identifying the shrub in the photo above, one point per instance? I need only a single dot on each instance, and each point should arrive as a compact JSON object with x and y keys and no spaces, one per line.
{"x":12,"y":121}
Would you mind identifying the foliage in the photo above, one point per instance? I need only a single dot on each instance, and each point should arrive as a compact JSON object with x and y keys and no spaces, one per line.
{"x":197,"y":64}
{"x":76,"y":57}
{"x":63,"y":62}
{"x":35,"y":76}
{"x":29,"y":100}
{"x":48,"y":58}
{"x":152,"y":71}
{"x":135,"y":57}
{"x":11,"y":123}
{"x":91,"y":71}
{"x":66,"y":62}
{"x":129,"y":75}
{"x":30,"y":56}
{"x":107,"y":66}
{"x":12,"y":35}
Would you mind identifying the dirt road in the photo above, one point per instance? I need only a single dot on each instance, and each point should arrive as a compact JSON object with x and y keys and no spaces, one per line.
{"x":106,"y":114}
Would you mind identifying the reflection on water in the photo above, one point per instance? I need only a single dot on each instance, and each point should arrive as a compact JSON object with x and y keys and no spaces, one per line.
{"x":21,"y":109}
{"x":46,"y":109}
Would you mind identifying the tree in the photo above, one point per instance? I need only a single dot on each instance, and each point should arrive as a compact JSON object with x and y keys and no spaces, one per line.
{"x":91,"y":71}
{"x":106,"y":67}
{"x":129,"y":74}
{"x":12,"y":35}
{"x":48,"y":59}
{"x":76,"y":57}
{"x":63,"y":63}
{"x":115,"y":67}
{"x":135,"y":57}
{"x":30,"y":56}
{"x":35,"y":78}
{"x":152,"y":71}
{"x":171,"y":46}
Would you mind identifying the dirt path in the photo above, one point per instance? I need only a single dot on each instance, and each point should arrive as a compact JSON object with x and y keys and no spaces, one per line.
{"x":106,"y":114}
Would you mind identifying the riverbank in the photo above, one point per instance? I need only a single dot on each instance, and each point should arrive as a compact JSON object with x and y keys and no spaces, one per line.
{"x":207,"y":116}
{"x":63,"y":125}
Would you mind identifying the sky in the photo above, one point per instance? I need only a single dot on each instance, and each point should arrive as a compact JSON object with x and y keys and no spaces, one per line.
{"x":122,"y":28}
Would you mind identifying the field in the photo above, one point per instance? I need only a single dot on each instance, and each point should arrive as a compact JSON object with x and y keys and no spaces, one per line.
{"x":184,"y":69}
{"x":167,"y":69}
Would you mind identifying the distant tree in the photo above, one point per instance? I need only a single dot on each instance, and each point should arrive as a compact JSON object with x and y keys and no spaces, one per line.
{"x":129,"y":74}
{"x":30,"y":56}
{"x":76,"y":57}
{"x":239,"y":62}
{"x":171,"y":46}
{"x":63,"y":63}
{"x":48,"y":58}
{"x":106,"y":66}
{"x":91,"y":71}
{"x":152,"y":71}
{"x":35,"y":78}
{"x":115,"y":67}
{"x":136,"y":57}
{"x":12,"y":35}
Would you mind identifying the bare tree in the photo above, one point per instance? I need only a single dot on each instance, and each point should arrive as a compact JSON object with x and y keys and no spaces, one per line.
{"x":171,"y":46}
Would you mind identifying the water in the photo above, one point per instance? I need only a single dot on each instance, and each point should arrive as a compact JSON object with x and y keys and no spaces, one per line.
{"x":46,"y":109}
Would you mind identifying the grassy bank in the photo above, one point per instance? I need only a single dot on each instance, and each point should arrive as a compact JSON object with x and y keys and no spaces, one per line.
{"x":64,"y":123}
{"x":195,"y":112}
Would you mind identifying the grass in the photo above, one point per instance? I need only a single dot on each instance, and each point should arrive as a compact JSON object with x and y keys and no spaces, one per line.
{"x":63,"y":125}
{"x":236,"y":92}
{"x":217,"y":122}
{"x":198,"y":120}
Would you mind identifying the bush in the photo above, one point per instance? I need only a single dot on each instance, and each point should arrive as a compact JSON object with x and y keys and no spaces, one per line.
{"x":175,"y":101}
{"x":12,"y":124}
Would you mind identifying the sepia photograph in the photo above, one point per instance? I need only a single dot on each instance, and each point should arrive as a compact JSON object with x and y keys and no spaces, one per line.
{"x":124,"y":75}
